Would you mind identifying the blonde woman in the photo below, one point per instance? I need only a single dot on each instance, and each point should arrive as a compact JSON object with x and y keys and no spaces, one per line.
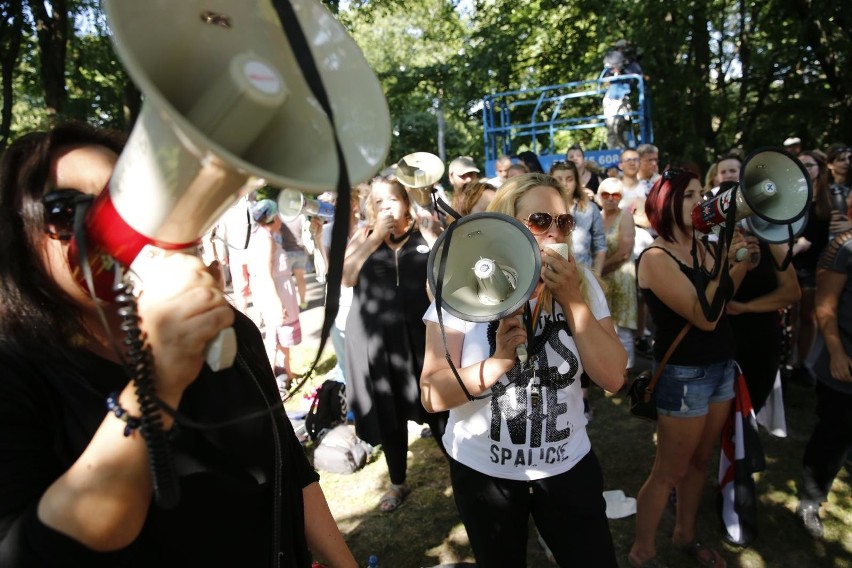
{"x":385,"y":264}
{"x":516,"y":433}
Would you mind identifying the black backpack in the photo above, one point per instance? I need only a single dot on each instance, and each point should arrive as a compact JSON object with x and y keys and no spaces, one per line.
{"x":328,"y":409}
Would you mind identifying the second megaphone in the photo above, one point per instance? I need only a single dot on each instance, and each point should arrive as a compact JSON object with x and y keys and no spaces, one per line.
{"x":292,"y":203}
{"x":773,"y":186}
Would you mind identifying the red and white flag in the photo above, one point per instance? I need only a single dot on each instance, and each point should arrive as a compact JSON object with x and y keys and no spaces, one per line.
{"x":741,"y":456}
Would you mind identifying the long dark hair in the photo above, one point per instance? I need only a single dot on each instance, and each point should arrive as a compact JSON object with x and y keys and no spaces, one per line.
{"x":579,"y":195}
{"x":34,"y":310}
{"x":822,"y":199}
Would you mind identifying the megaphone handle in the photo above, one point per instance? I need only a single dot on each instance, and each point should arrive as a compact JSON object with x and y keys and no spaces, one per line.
{"x":521,"y":350}
{"x":222,"y":350}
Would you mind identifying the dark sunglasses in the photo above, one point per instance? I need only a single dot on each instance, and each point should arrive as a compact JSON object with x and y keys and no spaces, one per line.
{"x":607,"y":195}
{"x":59,"y":207}
{"x":539,"y":223}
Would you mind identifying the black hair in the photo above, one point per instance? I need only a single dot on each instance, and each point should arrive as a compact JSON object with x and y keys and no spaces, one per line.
{"x":34,"y":310}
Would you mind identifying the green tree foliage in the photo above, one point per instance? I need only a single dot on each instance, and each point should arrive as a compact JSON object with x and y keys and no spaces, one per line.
{"x":722,"y":73}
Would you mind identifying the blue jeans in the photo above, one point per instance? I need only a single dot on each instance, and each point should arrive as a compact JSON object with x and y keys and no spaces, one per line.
{"x":686,"y":391}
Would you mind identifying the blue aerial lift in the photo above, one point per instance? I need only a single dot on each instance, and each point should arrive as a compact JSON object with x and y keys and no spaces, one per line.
{"x":534,"y":116}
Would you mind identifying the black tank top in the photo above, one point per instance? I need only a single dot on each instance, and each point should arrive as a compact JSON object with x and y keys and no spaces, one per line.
{"x":698,"y":347}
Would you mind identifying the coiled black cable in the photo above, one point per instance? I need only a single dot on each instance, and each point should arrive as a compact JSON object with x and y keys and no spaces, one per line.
{"x":163,"y":474}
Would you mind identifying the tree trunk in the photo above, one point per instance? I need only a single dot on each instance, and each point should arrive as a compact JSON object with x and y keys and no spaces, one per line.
{"x":11,"y":29}
{"x":52,"y":31}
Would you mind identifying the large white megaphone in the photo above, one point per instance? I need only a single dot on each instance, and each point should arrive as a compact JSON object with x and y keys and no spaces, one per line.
{"x":292,"y":203}
{"x":225,"y":100}
{"x":492,"y":267}
{"x":773,"y":186}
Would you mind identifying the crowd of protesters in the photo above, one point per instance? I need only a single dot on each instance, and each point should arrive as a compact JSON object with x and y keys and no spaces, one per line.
{"x":620,"y":278}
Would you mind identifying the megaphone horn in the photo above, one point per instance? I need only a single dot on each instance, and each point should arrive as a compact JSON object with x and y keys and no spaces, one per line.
{"x":225,"y":100}
{"x":773,"y":186}
{"x":292,"y":203}
{"x":207,"y":126}
{"x":774,"y":233}
{"x":492,"y":267}
{"x":419,"y":170}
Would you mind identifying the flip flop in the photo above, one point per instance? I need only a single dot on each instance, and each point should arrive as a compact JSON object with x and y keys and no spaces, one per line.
{"x":703,"y":555}
{"x":393,"y":498}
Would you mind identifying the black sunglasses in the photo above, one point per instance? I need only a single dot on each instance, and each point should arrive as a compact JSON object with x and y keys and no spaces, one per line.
{"x":59,"y":208}
{"x":539,"y":223}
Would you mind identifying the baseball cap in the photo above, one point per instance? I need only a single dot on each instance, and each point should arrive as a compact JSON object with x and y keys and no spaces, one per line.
{"x":792,"y":141}
{"x":264,"y":210}
{"x":463,"y":165}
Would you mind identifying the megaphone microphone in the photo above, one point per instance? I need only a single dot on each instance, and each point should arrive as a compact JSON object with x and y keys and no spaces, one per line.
{"x":838,"y":199}
{"x":495,"y":284}
{"x":292,"y":203}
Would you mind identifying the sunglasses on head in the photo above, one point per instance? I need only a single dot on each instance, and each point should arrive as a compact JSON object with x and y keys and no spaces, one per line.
{"x":59,"y":208}
{"x":672,"y":173}
{"x":539,"y":223}
{"x":608,"y":195}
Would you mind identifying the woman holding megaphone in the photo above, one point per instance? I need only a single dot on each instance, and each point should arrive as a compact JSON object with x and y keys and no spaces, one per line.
{"x":75,"y":483}
{"x":385,"y":265}
{"x":517,"y":433}
{"x":694,"y":393}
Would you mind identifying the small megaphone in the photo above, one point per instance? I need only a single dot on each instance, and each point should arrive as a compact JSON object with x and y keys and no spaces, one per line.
{"x":225,"y":100}
{"x":773,"y":186}
{"x":419,"y":170}
{"x":292,"y":203}
{"x":493,"y":264}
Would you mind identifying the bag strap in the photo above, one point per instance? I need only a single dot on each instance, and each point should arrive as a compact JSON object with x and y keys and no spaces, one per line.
{"x":658,"y":372}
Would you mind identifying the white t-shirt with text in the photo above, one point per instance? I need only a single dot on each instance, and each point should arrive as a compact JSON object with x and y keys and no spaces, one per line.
{"x":532,"y":425}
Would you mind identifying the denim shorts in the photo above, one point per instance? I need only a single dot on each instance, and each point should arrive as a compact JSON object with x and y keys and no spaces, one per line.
{"x":296,"y":260}
{"x":686,"y":391}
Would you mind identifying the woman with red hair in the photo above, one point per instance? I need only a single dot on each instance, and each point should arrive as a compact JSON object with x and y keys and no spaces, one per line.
{"x":694,"y":394}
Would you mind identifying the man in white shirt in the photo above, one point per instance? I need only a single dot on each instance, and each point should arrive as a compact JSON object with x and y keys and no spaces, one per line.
{"x":502,"y":166}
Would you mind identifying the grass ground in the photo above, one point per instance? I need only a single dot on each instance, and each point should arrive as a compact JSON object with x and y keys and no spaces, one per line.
{"x":426,"y":532}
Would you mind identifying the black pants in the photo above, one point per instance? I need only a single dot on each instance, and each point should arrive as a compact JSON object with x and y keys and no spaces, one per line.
{"x":758,"y":338}
{"x":395,"y":446}
{"x":568,"y":509}
{"x":830,"y":442}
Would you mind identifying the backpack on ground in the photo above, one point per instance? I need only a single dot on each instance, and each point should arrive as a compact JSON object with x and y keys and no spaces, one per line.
{"x":328,"y":409}
{"x":341,"y":451}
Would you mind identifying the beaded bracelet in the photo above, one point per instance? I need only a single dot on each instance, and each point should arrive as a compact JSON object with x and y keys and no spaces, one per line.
{"x":131,"y":423}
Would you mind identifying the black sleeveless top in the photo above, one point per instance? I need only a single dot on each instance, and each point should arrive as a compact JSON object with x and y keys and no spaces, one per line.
{"x":698,"y":347}
{"x":759,"y":281}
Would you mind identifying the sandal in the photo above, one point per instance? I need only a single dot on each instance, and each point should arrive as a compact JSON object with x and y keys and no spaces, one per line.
{"x":705,"y":556}
{"x":652,"y":563}
{"x":393,"y":498}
